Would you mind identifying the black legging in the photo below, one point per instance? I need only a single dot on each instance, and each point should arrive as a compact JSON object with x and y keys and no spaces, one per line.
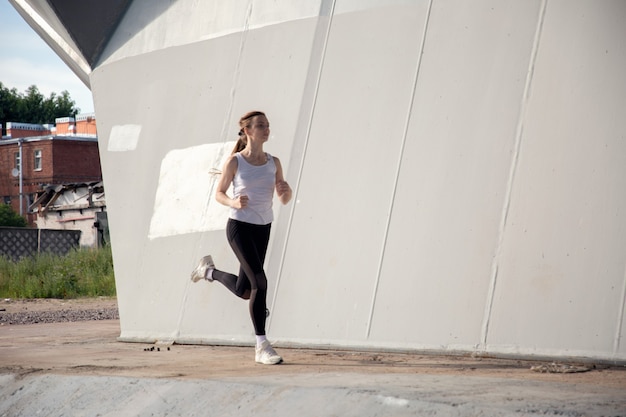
{"x":249,"y":242}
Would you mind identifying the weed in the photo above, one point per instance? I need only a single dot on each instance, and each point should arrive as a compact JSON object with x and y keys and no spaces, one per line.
{"x":80,"y":273}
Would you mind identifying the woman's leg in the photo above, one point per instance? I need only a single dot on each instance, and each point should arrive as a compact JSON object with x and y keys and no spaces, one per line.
{"x":238,"y":285}
{"x":249,"y":243}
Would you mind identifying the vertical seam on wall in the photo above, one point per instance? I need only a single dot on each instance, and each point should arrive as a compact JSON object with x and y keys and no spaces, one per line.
{"x":620,"y":319}
{"x":294,"y":198}
{"x":237,"y":72}
{"x":225,"y":128}
{"x":397,"y":176}
{"x":511,"y":180}
{"x":229,"y":112}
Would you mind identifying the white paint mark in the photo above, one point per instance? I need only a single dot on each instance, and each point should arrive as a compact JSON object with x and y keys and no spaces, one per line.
{"x":184,"y":201}
{"x":124,"y":138}
{"x":394,"y":402}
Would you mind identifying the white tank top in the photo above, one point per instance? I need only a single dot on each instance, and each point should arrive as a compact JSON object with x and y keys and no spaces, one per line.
{"x":257,"y":182}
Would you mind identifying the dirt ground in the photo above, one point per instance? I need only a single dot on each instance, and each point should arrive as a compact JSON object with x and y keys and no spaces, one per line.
{"x":83,"y":364}
{"x":8,"y":305}
{"x":108,"y":356}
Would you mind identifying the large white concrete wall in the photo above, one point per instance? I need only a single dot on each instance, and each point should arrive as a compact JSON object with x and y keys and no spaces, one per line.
{"x":459,"y":169}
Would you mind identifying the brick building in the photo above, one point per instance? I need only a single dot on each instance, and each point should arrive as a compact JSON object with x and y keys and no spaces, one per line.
{"x":33,"y":156}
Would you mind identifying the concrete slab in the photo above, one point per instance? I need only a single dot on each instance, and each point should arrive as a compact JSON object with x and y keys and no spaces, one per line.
{"x":80,"y":369}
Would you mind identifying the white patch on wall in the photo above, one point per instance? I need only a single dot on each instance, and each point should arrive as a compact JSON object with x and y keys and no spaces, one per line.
{"x":124,"y":138}
{"x":185,"y":197}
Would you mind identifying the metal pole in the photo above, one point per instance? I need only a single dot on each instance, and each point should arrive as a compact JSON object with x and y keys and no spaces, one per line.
{"x":21,"y":177}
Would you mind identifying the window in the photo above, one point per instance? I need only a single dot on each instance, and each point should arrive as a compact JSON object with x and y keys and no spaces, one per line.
{"x":37,"y":164}
{"x":17,"y":160}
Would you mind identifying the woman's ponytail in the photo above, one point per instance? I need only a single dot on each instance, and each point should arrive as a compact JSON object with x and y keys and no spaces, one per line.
{"x":241,"y":142}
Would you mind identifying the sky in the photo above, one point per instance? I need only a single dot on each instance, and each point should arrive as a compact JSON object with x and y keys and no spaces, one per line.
{"x":25,"y":60}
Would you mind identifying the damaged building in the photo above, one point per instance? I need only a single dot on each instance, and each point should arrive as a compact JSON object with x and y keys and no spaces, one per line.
{"x":76,"y":206}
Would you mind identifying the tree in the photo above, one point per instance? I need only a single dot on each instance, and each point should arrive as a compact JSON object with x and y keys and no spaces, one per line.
{"x":8,"y":104}
{"x":59,"y":106}
{"x":9,"y":218}
{"x":33,"y":107}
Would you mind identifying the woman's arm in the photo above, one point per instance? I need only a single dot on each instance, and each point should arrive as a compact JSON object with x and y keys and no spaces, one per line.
{"x":283,"y":190}
{"x":228,"y":173}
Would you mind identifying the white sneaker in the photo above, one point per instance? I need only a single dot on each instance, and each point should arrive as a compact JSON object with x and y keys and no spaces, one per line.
{"x":266,"y":355}
{"x":201,"y":272}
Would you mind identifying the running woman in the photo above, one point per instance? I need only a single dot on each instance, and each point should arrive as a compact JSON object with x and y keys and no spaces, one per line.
{"x":254,"y":174}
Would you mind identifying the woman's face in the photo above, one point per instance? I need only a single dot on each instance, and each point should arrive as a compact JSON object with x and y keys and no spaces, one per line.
{"x":259,"y":129}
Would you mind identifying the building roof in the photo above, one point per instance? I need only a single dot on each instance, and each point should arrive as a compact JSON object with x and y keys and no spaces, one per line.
{"x":82,"y":138}
{"x":51,"y":194}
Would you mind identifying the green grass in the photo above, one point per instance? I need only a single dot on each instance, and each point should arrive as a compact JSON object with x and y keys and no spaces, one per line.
{"x":81,"y":273}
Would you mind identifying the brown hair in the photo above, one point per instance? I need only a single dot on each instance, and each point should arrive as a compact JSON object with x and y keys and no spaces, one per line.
{"x":245,"y":121}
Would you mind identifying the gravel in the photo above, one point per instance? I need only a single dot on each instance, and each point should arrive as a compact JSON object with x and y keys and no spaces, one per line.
{"x":26,"y":314}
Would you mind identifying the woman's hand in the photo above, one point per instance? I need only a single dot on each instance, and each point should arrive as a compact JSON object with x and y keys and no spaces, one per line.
{"x":283,"y":190}
{"x":239,"y":202}
{"x":282,"y":187}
